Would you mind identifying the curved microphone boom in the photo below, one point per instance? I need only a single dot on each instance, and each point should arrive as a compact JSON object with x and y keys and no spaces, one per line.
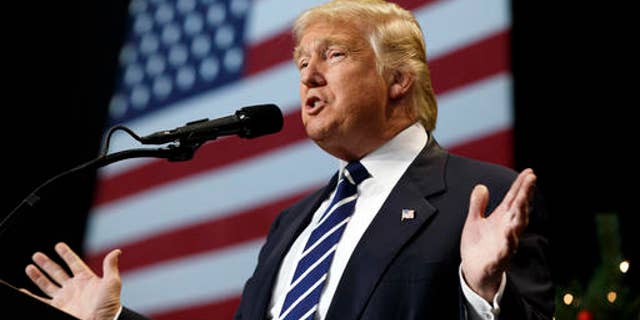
{"x":248,"y":122}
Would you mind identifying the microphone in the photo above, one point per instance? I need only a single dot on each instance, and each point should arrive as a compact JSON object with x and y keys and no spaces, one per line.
{"x":248,"y":122}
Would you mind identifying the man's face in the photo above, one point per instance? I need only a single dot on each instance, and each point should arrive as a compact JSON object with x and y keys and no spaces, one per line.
{"x":343,"y":97}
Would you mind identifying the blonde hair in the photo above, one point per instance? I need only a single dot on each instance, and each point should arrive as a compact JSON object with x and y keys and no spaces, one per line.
{"x":396,"y":38}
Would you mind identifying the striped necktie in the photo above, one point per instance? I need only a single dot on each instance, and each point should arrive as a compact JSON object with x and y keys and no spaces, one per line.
{"x":312,"y":270}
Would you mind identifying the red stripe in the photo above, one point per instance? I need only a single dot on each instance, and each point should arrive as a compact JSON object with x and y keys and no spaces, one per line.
{"x":449,"y":72}
{"x":279,"y":48}
{"x":414,"y":4}
{"x":265,"y":54}
{"x":496,"y":147}
{"x":472,"y":63}
{"x":212,"y":155}
{"x":220,"y":309}
{"x":211,"y":235}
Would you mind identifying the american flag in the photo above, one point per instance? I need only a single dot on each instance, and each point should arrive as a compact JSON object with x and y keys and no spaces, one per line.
{"x":191,"y":231}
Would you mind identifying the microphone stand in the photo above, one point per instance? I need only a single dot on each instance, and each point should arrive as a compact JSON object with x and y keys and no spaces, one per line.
{"x":180,"y":152}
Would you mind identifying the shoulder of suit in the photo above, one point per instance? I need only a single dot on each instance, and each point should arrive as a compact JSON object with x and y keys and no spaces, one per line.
{"x":467,"y":168}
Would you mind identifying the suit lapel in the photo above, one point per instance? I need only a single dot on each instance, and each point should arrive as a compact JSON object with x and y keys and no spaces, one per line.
{"x":294,"y":222}
{"x":387,"y":234}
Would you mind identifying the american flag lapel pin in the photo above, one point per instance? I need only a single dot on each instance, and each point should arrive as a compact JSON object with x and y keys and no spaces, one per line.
{"x":407,"y":214}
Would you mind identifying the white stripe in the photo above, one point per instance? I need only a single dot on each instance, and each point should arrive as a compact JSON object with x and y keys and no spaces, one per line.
{"x":209,"y":196}
{"x":278,"y":84}
{"x":483,"y":107}
{"x":449,"y":25}
{"x":311,"y":267}
{"x":475,"y":110}
{"x":271,"y":17}
{"x":324,"y":236}
{"x":304,"y":295}
{"x":348,"y":175}
{"x":190,"y":281}
{"x":311,"y":311}
{"x":334,"y":207}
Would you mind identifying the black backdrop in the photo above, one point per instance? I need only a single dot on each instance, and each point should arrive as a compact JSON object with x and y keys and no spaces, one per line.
{"x":569,"y":64}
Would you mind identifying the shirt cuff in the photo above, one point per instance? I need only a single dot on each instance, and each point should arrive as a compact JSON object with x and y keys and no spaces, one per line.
{"x":118,"y":314}
{"x":478,"y":307}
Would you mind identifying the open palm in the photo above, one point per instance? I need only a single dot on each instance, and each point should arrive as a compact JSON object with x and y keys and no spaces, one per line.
{"x":488,"y":242}
{"x":83,"y":294}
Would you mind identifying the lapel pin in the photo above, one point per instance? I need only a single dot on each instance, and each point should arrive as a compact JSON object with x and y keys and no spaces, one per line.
{"x":408,"y":214}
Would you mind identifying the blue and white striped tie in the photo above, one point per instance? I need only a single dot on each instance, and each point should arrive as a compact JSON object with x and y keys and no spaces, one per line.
{"x":310,"y":275}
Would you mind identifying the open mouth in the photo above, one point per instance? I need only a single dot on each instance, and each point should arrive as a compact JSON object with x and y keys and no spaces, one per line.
{"x":314,"y":104}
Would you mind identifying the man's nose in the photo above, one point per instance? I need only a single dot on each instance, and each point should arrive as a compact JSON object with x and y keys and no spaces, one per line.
{"x":312,"y":75}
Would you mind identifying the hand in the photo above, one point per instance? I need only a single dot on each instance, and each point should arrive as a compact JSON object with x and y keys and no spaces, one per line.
{"x":488,"y":243}
{"x":83,"y":295}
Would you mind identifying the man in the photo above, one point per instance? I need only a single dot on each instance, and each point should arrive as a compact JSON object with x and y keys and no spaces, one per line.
{"x":403,"y":231}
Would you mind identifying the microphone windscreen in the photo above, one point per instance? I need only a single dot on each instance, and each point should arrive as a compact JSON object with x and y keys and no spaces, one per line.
{"x":260,"y":120}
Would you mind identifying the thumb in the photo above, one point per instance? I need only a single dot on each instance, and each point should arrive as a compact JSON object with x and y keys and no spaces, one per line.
{"x":110,"y":264}
{"x":478,"y":202}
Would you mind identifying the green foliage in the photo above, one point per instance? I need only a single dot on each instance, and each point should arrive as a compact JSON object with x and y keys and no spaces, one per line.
{"x":606,"y":295}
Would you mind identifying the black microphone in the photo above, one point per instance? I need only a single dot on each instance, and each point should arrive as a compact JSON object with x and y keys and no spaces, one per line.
{"x":248,"y":122}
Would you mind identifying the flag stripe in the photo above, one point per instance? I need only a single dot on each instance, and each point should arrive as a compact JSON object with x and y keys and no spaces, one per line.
{"x":270,"y":17}
{"x":194,"y":280}
{"x":496,"y":148}
{"x":488,"y":57}
{"x":209,"y":195}
{"x":475,"y":62}
{"x":207,"y":236}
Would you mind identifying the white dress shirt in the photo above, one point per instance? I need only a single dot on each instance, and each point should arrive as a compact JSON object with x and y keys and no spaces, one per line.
{"x":386,"y":165}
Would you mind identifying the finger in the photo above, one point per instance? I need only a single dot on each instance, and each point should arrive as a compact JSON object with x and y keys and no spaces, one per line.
{"x":74,"y":262}
{"x":478,"y":203}
{"x":522,"y":202}
{"x":515,"y":187}
{"x":52,"y":269}
{"x":110,"y":265}
{"x":513,"y":240}
{"x":48,"y":287}
{"x":47,"y":301}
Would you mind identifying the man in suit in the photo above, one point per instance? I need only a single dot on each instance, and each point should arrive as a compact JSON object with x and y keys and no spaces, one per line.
{"x":404,"y":230}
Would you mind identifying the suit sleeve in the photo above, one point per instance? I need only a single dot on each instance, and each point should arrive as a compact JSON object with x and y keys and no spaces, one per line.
{"x":128,"y":314}
{"x":529,"y":292}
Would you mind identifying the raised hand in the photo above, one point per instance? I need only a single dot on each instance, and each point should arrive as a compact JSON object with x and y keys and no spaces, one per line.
{"x":83,"y":294}
{"x":488,"y":243}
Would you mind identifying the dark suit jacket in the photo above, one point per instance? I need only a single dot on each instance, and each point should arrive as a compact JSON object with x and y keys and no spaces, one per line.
{"x":409,"y":269}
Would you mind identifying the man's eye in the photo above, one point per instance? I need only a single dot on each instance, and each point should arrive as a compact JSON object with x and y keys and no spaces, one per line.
{"x":303,"y":65}
{"x":336,"y":55}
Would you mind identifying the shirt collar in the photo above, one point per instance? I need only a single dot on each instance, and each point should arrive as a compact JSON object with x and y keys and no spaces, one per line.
{"x":395,"y":154}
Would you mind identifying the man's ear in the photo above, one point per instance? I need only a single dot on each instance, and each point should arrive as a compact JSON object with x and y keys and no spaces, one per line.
{"x":400,"y":84}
